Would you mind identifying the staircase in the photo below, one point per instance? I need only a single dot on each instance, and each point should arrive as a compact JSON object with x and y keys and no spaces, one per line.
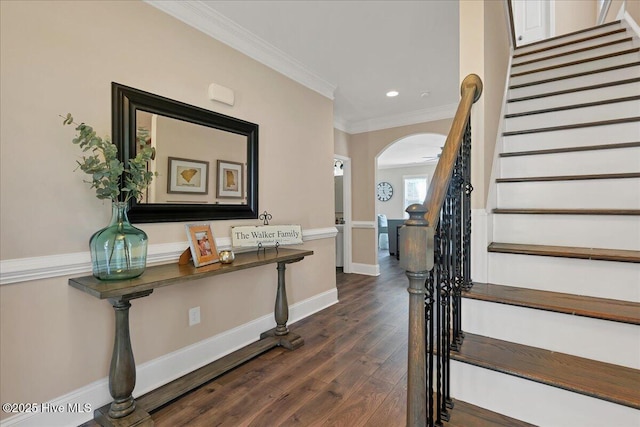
{"x":553,"y":338}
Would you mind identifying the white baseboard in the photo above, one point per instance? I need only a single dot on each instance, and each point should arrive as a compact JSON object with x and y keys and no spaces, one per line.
{"x":157,"y":372}
{"x":366,"y":269}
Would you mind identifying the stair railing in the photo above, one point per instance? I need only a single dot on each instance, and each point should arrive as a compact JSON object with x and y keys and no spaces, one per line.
{"x":435,"y":245}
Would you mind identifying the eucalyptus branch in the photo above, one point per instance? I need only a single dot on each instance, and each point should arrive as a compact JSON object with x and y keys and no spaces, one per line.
{"x":108,"y":175}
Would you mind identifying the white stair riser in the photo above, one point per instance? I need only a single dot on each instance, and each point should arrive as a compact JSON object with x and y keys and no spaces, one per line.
{"x":618,"y":110}
{"x":600,"y":279}
{"x":576,"y":82}
{"x":589,"y":231}
{"x":606,"y":341}
{"x":573,"y":163}
{"x":572,"y":69}
{"x":587,"y":194}
{"x":578,"y":137}
{"x":579,"y":56}
{"x":569,"y":48}
{"x":583,"y":96}
{"x":565,"y":39}
{"x":533,"y":402}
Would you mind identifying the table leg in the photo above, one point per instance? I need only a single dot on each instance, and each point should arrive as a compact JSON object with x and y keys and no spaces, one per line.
{"x":122,"y":372}
{"x":281,"y":313}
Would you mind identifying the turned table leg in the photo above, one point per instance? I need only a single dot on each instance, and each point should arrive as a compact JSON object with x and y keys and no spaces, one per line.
{"x":281,"y":311}
{"x":122,"y":372}
{"x":287,"y":339}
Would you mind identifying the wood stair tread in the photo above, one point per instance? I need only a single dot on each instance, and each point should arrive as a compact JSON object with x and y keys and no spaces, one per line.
{"x":600,"y":254}
{"x":467,"y":415}
{"x":573,"y":33}
{"x":570,"y":177}
{"x":572,"y":149}
{"x":578,"y":305}
{"x":577,"y":89}
{"x":613,"y":383}
{"x":574,"y":106}
{"x":571,"y":52}
{"x":527,"y":211}
{"x":569,"y":43}
{"x":575,"y":75}
{"x":581,"y":61}
{"x":573,"y":126}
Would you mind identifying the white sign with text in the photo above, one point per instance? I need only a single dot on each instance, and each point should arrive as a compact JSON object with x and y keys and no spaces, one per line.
{"x":267,"y":235}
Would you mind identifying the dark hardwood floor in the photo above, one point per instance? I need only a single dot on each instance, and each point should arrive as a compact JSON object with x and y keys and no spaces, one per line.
{"x":351,"y":370}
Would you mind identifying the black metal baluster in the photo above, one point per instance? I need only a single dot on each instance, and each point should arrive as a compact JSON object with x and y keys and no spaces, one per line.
{"x":429,"y":337}
{"x":468,"y":188}
{"x":458,"y":186}
{"x":446,"y":304}
{"x":439,"y":276}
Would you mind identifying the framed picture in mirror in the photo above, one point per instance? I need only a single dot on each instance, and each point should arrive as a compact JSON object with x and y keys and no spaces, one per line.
{"x":187,"y":176}
{"x":230,"y":180}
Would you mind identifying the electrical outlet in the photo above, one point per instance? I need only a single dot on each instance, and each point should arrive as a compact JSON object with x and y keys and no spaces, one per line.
{"x":194,"y":316}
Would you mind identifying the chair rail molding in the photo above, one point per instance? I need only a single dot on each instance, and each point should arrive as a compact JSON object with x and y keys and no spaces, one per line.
{"x":363,"y":224}
{"x":48,"y":266}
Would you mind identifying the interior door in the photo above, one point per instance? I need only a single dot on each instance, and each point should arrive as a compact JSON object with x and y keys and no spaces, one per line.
{"x":531,"y":20}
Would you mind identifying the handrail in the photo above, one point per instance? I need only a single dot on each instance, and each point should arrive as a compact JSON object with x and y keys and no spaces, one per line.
{"x":512,"y":26}
{"x":436,"y":253}
{"x":470,"y":91}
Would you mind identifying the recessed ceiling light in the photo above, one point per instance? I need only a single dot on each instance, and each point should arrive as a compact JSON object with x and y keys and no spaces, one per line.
{"x":392,"y":93}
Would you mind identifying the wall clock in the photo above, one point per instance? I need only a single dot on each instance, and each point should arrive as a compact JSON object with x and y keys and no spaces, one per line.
{"x":385,"y":191}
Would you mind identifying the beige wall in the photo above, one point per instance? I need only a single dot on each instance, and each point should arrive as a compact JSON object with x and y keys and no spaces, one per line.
{"x":488,"y":57}
{"x":364,"y":148}
{"x":572,"y":15}
{"x":633,"y":8}
{"x":630,"y":6}
{"x":341,"y":142}
{"x":59,"y":57}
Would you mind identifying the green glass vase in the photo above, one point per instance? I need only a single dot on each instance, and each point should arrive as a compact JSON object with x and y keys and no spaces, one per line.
{"x":118,"y":251}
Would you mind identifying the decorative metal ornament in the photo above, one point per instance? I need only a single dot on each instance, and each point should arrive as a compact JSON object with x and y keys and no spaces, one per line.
{"x":265,"y":217}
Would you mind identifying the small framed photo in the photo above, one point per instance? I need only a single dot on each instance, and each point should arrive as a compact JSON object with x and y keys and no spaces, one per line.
{"x":187,"y":176}
{"x":230,"y":180}
{"x":202,"y":244}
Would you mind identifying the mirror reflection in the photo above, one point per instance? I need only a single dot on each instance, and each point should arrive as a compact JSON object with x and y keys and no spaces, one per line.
{"x":189,"y":170}
{"x":207,"y":163}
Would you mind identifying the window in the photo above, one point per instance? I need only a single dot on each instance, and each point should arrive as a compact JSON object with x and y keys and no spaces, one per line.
{"x":415,"y":189}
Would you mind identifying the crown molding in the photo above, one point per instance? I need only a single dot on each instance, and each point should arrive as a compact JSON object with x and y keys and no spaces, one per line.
{"x":404,"y":119}
{"x":200,"y":16}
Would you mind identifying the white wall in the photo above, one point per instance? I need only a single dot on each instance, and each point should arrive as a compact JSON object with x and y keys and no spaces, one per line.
{"x":394,"y":208}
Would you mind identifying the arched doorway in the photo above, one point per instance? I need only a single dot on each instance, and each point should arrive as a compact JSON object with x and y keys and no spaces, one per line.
{"x":403,"y":168}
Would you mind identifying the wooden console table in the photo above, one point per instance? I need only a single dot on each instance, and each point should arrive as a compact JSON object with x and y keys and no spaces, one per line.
{"x":127,"y":411}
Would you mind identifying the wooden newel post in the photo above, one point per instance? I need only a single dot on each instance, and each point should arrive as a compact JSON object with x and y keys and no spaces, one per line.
{"x":416,"y":243}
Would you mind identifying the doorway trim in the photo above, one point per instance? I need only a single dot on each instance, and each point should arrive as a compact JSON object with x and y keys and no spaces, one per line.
{"x":346,"y":204}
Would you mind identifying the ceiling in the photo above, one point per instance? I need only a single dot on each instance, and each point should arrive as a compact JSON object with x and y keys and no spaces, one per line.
{"x":420,"y":149}
{"x":353,"y":52}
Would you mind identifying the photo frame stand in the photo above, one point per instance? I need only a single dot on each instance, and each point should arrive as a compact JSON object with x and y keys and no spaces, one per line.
{"x":185,"y":257}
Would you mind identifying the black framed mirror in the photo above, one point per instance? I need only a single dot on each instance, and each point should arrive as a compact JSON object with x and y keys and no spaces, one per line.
{"x":207,"y":162}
